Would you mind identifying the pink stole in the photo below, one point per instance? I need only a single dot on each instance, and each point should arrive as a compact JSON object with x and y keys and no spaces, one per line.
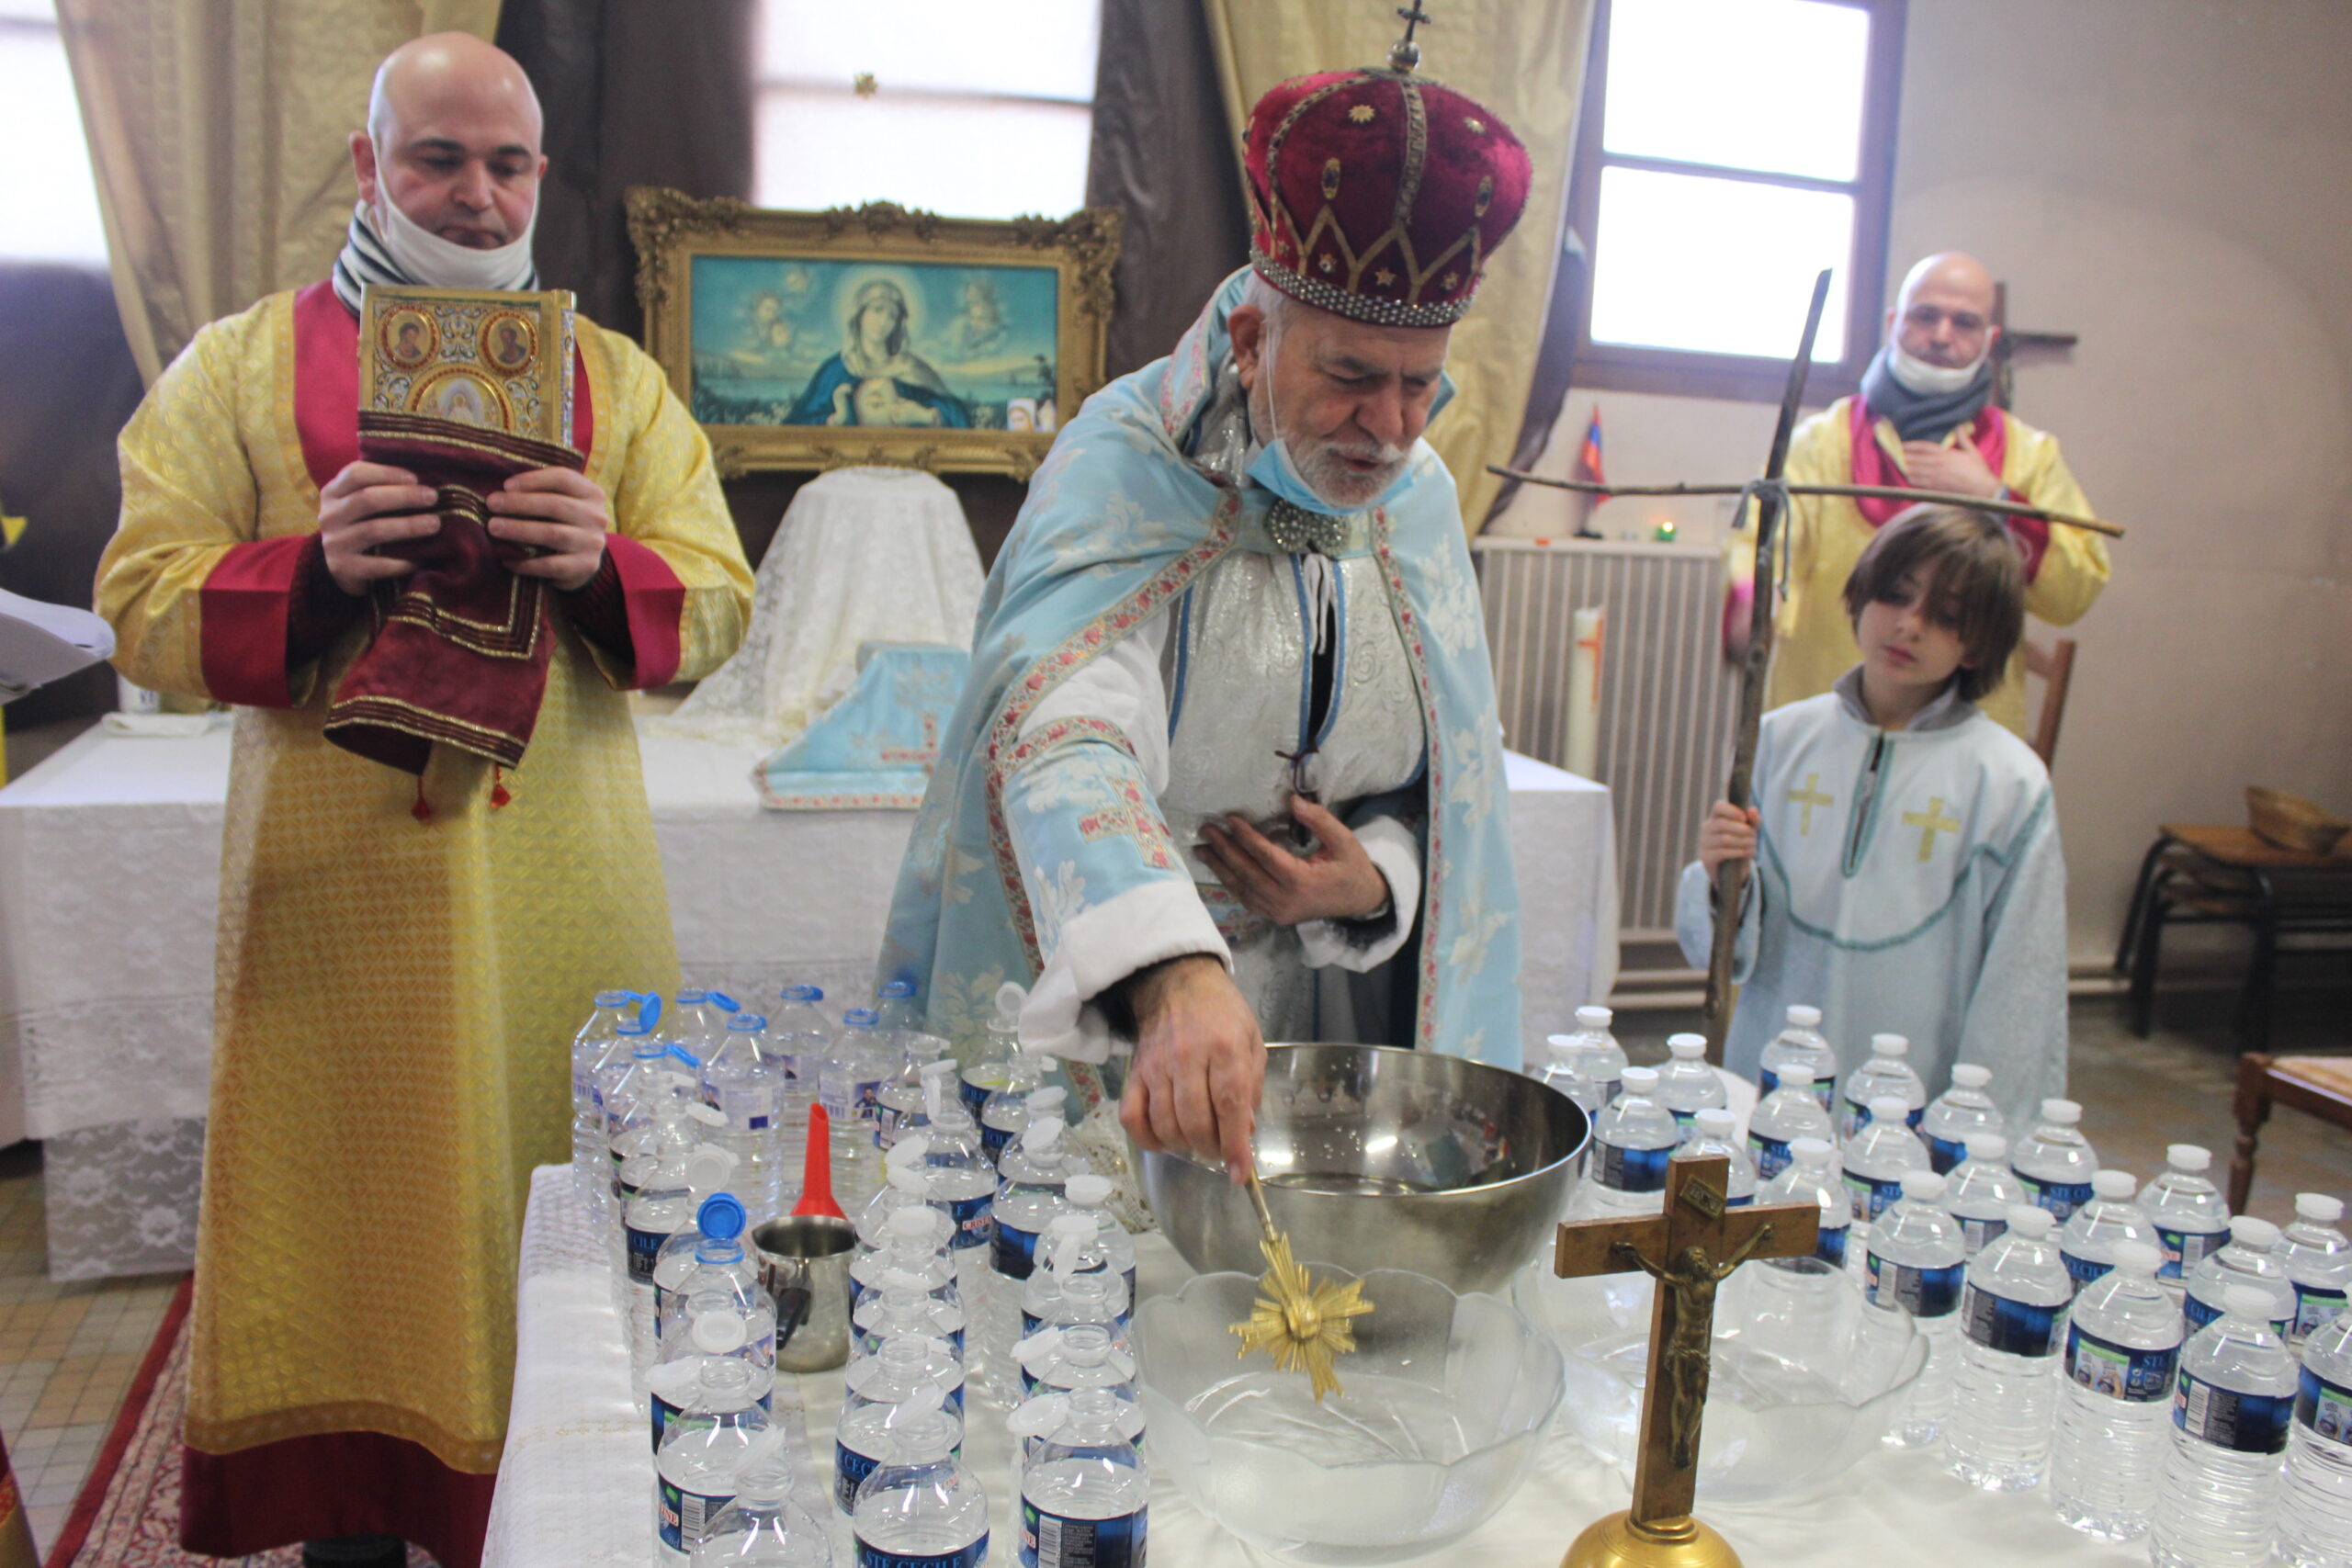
{"x":1990,"y":435}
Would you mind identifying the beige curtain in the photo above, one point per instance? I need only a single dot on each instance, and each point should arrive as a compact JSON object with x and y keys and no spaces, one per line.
{"x":217,"y":129}
{"x":1524,"y":59}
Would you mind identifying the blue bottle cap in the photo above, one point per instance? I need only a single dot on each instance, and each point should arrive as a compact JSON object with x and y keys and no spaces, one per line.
{"x":615,"y":998}
{"x":721,"y":1216}
{"x":895,"y":988}
{"x":860,"y":1018}
{"x":648,"y":1011}
{"x":802,"y":993}
{"x":632,"y":1029}
{"x":726,"y":1002}
{"x":748,"y":1022}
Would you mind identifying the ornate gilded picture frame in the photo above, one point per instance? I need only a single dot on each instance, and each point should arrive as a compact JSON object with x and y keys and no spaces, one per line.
{"x":873,"y":334}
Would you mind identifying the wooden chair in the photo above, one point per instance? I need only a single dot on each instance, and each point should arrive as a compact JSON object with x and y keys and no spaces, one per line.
{"x":2054,"y":667}
{"x":2320,"y":1085}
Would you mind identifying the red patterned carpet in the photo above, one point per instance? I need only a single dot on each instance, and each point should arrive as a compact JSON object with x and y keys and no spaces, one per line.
{"x":129,"y":1513}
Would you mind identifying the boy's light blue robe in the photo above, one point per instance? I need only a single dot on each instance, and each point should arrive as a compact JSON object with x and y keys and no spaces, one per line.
{"x":1907,"y":882}
{"x":1119,"y":522}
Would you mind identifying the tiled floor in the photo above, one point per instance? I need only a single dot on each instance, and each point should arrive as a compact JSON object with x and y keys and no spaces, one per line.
{"x":68,"y":1352}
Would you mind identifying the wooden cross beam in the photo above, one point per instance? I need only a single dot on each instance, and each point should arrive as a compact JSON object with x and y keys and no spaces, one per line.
{"x":2005,"y":345}
{"x":1689,"y":1249}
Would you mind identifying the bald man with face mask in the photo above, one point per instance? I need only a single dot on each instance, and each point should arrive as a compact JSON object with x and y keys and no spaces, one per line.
{"x":1924,"y":420}
{"x":401,"y":949}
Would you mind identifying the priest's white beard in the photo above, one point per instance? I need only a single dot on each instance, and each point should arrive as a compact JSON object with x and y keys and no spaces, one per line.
{"x":1323,"y":464}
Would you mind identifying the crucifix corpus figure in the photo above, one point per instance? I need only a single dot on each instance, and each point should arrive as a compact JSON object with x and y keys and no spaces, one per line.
{"x":1689,"y":1249}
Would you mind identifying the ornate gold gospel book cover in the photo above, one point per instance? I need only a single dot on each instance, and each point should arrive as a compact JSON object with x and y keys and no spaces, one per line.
{"x":495,"y":358}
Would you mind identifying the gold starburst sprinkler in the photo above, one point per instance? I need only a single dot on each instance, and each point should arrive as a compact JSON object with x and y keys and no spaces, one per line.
{"x":1303,"y":1326}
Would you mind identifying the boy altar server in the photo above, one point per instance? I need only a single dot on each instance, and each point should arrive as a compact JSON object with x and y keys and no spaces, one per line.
{"x":1908,"y":873}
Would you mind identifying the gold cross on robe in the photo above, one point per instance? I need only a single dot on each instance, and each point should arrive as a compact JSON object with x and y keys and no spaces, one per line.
{"x":1809,"y":798}
{"x":1689,"y":1249}
{"x":1930,"y":822}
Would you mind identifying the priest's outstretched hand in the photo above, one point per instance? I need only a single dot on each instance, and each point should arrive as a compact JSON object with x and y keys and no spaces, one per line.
{"x":1200,"y":1063}
{"x":564,"y":514}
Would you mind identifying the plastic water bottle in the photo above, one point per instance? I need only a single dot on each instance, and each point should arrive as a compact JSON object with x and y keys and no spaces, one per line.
{"x":637,"y":1074}
{"x":1802,"y":1041}
{"x":1798,"y":1308}
{"x":2122,"y":1355}
{"x":903,"y":1308}
{"x":2092,"y":1232}
{"x":1782,"y":1117}
{"x":2054,"y":1161}
{"x":848,"y":1080}
{"x":668,"y":1189}
{"x":743,"y":1079}
{"x":707,"y":1256}
{"x":1006,"y":1110}
{"x":873,"y":1390}
{"x":1070,"y":1248}
{"x":1714,"y":1132}
{"x":2244,"y":1259}
{"x":2315,"y":1518}
{"x":1562,"y":1068}
{"x":899,"y":1104}
{"x":1090,"y":1194}
{"x":1033,"y":1175}
{"x":2230,"y":1414}
{"x":698,"y":1022}
{"x":1595,"y":1051}
{"x":1962,"y":1109}
{"x":962,"y":1176}
{"x":1631,"y":1143}
{"x":2005,"y":1388}
{"x":713,"y":1325}
{"x":1876,"y":1157}
{"x":991,"y":1064}
{"x":2318,"y":1260}
{"x":1915,"y":1264}
{"x":1686,"y":1085}
{"x":1068,"y":1358}
{"x":764,"y":1527}
{"x":894,"y":1008}
{"x":1885,"y":1073}
{"x":2189,"y":1211}
{"x":696,"y":1464}
{"x":920,"y":1507}
{"x":1084,"y":1492}
{"x":1982,"y":1190}
{"x":908,"y":1186}
{"x":911,"y":1246}
{"x":596,"y":1044}
{"x":798,"y":1027}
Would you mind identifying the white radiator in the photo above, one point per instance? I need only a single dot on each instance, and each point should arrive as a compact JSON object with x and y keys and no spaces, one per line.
{"x":1667,"y":700}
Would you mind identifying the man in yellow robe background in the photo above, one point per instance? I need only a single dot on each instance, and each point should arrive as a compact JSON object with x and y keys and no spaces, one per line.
{"x":401,"y":959}
{"x":1924,"y":419}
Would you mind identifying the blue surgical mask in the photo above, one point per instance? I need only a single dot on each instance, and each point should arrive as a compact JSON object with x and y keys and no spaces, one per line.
{"x":1273,"y":468}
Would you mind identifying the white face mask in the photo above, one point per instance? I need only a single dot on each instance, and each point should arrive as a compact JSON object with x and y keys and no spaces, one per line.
{"x":437,"y":263}
{"x":1930,"y":380}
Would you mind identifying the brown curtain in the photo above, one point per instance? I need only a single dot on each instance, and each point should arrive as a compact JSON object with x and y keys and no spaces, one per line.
{"x":1162,"y":155}
{"x":637,"y":92}
{"x":67,"y":385}
{"x":1523,"y":59}
{"x":217,"y":131}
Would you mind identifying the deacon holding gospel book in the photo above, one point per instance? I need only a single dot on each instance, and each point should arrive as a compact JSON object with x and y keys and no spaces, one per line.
{"x":434,"y":851}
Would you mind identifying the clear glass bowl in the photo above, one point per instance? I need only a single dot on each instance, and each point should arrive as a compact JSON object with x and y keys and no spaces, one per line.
{"x":1440,"y":1418}
{"x":1793,"y":1399}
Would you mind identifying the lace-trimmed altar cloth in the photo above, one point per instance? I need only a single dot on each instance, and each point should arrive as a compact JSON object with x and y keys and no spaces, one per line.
{"x":863,"y":554}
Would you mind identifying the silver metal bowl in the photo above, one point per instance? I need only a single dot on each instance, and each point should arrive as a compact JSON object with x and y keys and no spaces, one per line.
{"x":1375,"y":1157}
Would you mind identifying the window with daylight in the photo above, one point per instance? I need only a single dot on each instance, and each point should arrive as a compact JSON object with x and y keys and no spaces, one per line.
{"x":970,"y":111}
{"x":49,"y":201}
{"x":1727,"y":151}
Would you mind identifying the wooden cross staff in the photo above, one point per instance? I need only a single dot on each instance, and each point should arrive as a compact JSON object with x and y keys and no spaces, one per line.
{"x":1884,"y":492}
{"x":1690,"y":1250}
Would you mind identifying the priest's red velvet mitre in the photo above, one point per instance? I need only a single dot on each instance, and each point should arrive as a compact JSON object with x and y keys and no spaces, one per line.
{"x":1379,"y":194}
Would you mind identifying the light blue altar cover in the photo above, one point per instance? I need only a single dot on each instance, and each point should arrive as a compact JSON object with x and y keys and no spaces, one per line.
{"x":875,"y":748}
{"x":1117,"y":523}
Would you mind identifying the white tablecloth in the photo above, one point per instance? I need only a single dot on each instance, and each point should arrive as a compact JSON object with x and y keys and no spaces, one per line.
{"x":109,"y":883}
{"x":575,"y":1489}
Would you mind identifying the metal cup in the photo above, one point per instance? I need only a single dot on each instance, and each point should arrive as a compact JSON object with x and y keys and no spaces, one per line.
{"x":804,"y":1265}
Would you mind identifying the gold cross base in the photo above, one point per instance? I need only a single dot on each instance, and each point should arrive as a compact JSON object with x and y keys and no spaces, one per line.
{"x":1616,"y":1542}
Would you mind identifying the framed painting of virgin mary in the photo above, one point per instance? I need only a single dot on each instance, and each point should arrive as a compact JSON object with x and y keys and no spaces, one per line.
{"x":875,"y":335}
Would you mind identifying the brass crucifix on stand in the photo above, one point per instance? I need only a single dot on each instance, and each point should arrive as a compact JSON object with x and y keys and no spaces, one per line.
{"x":1689,"y":1249}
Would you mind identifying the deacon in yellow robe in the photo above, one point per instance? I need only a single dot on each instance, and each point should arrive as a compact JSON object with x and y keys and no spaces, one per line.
{"x":1924,"y":419}
{"x":395,"y":987}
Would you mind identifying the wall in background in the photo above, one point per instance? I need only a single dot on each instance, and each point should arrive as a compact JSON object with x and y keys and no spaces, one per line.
{"x":2172,"y":179}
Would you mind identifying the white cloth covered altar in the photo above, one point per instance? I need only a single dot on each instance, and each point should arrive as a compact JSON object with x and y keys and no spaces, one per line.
{"x":109,"y":883}
{"x":863,"y":554}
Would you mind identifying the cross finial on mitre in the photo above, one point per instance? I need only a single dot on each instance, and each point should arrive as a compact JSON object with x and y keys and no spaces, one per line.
{"x":1404,"y":54}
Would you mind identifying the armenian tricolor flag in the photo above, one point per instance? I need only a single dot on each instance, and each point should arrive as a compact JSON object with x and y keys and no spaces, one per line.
{"x":1589,"y":456}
